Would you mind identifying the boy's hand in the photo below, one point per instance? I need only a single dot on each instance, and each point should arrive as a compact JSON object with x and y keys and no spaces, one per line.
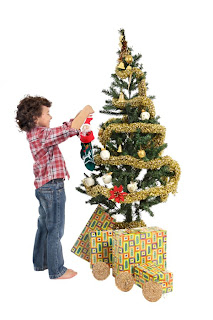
{"x":89,"y":109}
{"x":81,"y":117}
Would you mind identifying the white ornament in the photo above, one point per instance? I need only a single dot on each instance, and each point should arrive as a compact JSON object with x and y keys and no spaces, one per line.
{"x":145,"y":115}
{"x":105,"y":154}
{"x":89,"y":182}
{"x":107,"y":178}
{"x":132,"y":187}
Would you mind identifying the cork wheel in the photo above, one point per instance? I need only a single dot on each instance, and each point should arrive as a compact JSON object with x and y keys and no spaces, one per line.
{"x":124,"y":281}
{"x":152,"y":291}
{"x":101,"y":270}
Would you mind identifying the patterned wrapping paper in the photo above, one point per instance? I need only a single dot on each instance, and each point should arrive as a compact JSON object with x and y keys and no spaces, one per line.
{"x":136,"y":246}
{"x":100,"y":220}
{"x":150,"y":271}
{"x":101,"y":247}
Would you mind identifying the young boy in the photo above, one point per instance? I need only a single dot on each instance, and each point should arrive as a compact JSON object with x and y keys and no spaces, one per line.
{"x":50,"y":170}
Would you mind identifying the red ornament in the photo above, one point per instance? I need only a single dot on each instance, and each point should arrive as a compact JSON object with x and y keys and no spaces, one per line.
{"x":117,"y":194}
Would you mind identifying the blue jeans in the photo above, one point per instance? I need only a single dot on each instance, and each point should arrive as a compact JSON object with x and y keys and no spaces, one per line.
{"x":47,"y":253}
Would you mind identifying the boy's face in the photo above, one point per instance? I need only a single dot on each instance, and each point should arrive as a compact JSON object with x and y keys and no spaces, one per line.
{"x":44,"y":119}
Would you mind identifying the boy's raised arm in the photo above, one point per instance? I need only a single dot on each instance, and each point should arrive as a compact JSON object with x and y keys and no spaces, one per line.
{"x":52,"y":136}
{"x":78,"y":121}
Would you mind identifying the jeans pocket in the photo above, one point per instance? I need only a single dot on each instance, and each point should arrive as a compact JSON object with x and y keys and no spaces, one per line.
{"x":45,"y":196}
{"x":62,"y":193}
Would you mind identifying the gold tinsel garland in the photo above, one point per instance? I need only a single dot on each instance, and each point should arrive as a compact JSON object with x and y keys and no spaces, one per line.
{"x":128,"y":73}
{"x":132,"y":127}
{"x":128,"y":225}
{"x":142,"y":101}
{"x":162,"y":191}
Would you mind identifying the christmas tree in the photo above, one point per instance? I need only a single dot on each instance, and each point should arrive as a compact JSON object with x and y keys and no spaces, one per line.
{"x":130,"y":174}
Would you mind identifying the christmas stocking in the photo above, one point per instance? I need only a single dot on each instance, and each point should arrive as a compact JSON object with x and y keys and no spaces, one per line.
{"x":86,"y":136}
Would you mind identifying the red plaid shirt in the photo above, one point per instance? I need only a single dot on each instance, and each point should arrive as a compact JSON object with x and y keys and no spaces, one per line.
{"x":49,"y":162}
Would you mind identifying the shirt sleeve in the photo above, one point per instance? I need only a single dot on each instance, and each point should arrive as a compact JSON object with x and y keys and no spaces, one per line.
{"x":54,"y":136}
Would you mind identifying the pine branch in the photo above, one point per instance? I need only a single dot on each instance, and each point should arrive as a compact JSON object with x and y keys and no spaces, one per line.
{"x":111,"y":112}
{"x":80,"y":190}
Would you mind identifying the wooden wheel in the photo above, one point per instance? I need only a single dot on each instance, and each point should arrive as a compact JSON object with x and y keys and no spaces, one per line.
{"x":152,"y":291}
{"x":124,"y":281}
{"x":101,"y":270}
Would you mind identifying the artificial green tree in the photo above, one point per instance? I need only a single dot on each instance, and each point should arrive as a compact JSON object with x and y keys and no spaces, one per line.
{"x":130,"y":175}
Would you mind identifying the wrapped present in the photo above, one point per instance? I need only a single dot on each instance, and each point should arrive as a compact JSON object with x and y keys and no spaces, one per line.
{"x":136,"y":246}
{"x":100,"y":220}
{"x":150,"y":271}
{"x":101,"y":247}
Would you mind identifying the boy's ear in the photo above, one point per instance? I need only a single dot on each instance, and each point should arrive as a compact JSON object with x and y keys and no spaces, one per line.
{"x":35,"y":119}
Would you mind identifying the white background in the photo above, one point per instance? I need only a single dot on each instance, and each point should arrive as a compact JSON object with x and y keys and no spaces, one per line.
{"x":66,"y":52}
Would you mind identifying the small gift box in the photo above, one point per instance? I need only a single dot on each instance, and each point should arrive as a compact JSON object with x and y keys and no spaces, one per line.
{"x":150,"y":271}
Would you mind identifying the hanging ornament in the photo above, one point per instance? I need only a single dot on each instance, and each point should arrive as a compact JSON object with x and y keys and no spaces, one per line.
{"x":145,"y":115}
{"x":119,"y":148}
{"x":141,"y":153}
{"x":89,"y":182}
{"x":104,"y":154}
{"x":107,"y":178}
{"x":117,"y":194}
{"x":128,"y":68}
{"x":121,"y":65}
{"x":86,"y":137}
{"x":132,"y":186}
{"x":121,"y":97}
{"x":129,"y":59}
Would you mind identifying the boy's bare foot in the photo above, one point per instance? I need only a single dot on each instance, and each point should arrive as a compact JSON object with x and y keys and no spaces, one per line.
{"x":68,"y":274}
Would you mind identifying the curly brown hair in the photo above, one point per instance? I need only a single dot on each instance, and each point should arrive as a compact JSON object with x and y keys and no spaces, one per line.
{"x":28,"y":110}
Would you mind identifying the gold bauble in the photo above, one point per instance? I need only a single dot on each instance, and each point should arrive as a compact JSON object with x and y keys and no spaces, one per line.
{"x":121,"y":65}
{"x":129,"y":59}
{"x":141,"y":153}
{"x":128,"y":68}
